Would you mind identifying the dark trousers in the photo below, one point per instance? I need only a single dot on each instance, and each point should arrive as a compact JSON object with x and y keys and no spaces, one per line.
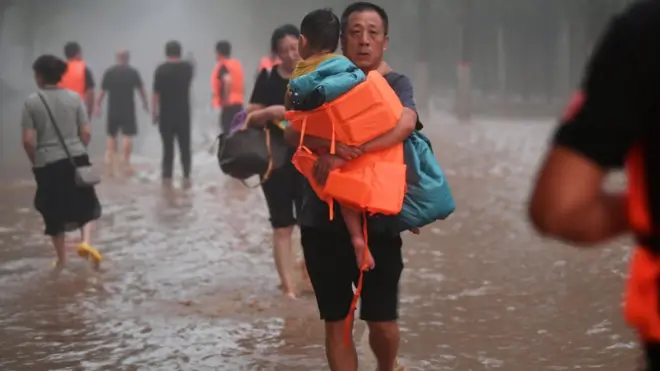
{"x":227,"y":116}
{"x":652,"y":359}
{"x":179,"y":132}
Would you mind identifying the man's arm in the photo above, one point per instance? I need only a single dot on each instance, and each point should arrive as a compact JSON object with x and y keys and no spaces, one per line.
{"x":155,"y":97}
{"x":89,"y":91}
{"x":28,"y":134}
{"x":99,"y":100}
{"x":406,"y":125}
{"x":140,"y":88}
{"x":82,"y":121}
{"x":224,"y":83}
{"x":568,"y":201}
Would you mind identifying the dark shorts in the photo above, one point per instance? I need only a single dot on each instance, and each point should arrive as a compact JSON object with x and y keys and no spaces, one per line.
{"x":283,"y":192}
{"x":332,"y":268}
{"x":652,"y":357}
{"x":227,"y":115}
{"x":126,"y":124}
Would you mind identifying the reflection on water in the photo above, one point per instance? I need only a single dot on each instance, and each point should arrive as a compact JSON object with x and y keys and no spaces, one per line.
{"x":189,"y":282}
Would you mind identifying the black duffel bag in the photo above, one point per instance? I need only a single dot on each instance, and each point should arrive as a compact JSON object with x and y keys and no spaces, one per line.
{"x":250,"y":151}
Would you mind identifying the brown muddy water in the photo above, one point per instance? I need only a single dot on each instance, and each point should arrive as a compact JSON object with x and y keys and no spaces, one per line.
{"x":189,"y":282}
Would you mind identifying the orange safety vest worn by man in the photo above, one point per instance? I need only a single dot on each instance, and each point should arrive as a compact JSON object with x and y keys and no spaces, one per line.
{"x":614,"y":122}
{"x":78,"y":77}
{"x":227,"y":84}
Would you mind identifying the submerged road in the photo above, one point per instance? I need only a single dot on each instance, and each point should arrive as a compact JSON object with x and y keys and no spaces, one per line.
{"x":189,"y":282}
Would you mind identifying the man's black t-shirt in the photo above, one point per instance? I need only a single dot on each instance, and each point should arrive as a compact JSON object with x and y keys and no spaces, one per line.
{"x":172,"y":83}
{"x":270,"y":90}
{"x":620,"y":104}
{"x":120,"y":82}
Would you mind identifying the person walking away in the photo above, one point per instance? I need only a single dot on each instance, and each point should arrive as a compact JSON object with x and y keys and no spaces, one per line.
{"x":120,"y":82}
{"x":327,"y":246}
{"x":612,"y":123}
{"x":171,"y":111}
{"x":283,"y":189}
{"x":227,"y":83}
{"x":78,"y":76}
{"x":63,"y":204}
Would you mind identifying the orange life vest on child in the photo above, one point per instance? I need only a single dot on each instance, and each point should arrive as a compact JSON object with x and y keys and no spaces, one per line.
{"x":74,"y":77}
{"x":374,"y":182}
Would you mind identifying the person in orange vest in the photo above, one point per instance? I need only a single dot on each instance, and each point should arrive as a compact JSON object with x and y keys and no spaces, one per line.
{"x":610,"y":124}
{"x":227,"y":83}
{"x":269,"y":61}
{"x":78,"y":76}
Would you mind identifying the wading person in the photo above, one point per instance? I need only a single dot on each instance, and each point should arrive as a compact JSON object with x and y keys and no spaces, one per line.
{"x":613,"y":122}
{"x":64,"y":205}
{"x":283,"y":188}
{"x":327,"y":246}
{"x":78,"y":77}
{"x":120,"y":83}
{"x":227,"y":83}
{"x":171,"y":110}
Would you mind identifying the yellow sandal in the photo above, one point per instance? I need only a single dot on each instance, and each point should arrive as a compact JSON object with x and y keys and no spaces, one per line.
{"x":86,"y":251}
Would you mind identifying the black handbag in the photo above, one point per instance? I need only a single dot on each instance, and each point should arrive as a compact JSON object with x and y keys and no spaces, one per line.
{"x":250,"y":151}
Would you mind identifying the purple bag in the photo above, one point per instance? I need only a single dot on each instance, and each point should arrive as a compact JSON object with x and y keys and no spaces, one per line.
{"x":238,"y":121}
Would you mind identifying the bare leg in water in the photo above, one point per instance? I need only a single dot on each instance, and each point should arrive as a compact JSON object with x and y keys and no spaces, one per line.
{"x":127,"y":143}
{"x":60,"y":250}
{"x":283,"y":254}
{"x":353,"y":220}
{"x":85,"y":249}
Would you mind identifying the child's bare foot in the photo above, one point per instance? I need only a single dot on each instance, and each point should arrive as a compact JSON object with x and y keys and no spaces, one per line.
{"x":364,"y":258}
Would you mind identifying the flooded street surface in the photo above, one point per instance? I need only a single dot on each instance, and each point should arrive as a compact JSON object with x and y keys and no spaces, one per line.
{"x":189,"y":282}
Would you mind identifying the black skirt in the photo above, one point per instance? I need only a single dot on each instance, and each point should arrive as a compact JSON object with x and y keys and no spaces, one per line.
{"x":63,"y":205}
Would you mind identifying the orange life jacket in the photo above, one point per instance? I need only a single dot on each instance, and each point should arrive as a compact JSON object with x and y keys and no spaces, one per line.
{"x":74,"y":78}
{"x":374,"y":182}
{"x":641,"y":308}
{"x":267,"y":63}
{"x":235,"y":96}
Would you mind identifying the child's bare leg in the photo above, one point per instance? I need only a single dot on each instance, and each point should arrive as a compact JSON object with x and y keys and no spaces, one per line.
{"x":353,"y":220}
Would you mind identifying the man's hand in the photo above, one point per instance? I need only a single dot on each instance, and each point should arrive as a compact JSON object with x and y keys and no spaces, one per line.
{"x":324,"y":165}
{"x":97,"y":111}
{"x":154,"y":119}
{"x":347,"y":153}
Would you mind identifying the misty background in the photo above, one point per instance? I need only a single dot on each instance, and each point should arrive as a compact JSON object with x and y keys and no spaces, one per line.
{"x":526,"y":56}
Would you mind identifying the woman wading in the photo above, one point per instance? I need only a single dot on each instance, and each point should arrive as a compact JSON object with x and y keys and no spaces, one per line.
{"x":64,"y":205}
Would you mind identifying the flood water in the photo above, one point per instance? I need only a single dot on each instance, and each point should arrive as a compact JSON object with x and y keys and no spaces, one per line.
{"x":189,"y":282}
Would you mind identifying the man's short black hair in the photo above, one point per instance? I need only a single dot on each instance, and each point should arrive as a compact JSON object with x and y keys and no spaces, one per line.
{"x":282,"y":32}
{"x":363,"y":6}
{"x":321,"y":28}
{"x":173,"y":49}
{"x":71,"y":49}
{"x":223,"y":48}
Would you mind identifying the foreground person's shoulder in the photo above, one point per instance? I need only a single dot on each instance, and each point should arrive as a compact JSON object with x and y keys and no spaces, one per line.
{"x":642,"y":16}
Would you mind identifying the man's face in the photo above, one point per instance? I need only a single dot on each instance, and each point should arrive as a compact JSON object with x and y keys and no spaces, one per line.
{"x":365,"y":41}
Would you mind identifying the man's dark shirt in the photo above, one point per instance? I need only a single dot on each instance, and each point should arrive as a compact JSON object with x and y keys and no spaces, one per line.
{"x":621,"y":107}
{"x":172,"y":83}
{"x":315,"y":213}
{"x":120,"y":82}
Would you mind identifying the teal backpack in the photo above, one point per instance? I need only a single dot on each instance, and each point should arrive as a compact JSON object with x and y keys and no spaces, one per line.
{"x":428,"y":197}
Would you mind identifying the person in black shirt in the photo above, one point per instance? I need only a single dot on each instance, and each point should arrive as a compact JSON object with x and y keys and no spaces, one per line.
{"x":171,"y":110}
{"x":614,"y":120}
{"x":120,"y":82}
{"x":283,"y":189}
